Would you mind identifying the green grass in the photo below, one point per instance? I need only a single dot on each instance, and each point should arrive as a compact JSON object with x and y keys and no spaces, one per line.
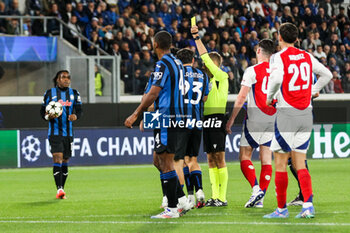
{"x":122,"y":199}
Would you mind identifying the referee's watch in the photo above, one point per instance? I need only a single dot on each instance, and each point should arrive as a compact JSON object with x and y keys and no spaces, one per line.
{"x":197,"y":38}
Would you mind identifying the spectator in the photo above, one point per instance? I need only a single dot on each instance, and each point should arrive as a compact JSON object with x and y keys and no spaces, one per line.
{"x":225,"y":38}
{"x":257,"y":16}
{"x":114,"y":49}
{"x":125,"y":52}
{"x":93,"y":26}
{"x":323,"y":30}
{"x":2,"y":21}
{"x":328,"y":7}
{"x":346,"y":82}
{"x":12,"y":27}
{"x":266,"y":28}
{"x":253,"y":39}
{"x":337,"y":83}
{"x":110,"y":16}
{"x":211,"y":46}
{"x":310,"y":42}
{"x":313,"y":7}
{"x":164,"y":14}
{"x":272,"y":19}
{"x":92,"y":11}
{"x":308,"y":18}
{"x":97,"y":40}
{"x":333,"y":65}
{"x":187,"y":12}
{"x":173,"y":27}
{"x":33,"y":7}
{"x":144,"y":14}
{"x":266,"y":7}
{"x":322,"y":17}
{"x":243,"y":57}
{"x":228,"y":14}
{"x":242,"y":28}
{"x":83,"y":18}
{"x":319,"y":53}
{"x":71,"y":33}
{"x":152,"y":11}
{"x":136,"y":83}
{"x":255,"y":4}
{"x":333,"y":40}
{"x":99,"y":82}
{"x":287,"y":15}
{"x":67,"y":13}
{"x":13,"y":9}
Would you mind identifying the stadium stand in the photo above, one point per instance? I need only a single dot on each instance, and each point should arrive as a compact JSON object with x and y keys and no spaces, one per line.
{"x":233,"y":28}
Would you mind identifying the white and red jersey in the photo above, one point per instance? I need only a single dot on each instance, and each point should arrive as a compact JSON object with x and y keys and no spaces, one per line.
{"x":256,"y":77}
{"x":292,"y":77}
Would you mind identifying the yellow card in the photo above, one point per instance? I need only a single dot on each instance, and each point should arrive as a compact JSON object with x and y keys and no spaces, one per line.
{"x":193,"y":21}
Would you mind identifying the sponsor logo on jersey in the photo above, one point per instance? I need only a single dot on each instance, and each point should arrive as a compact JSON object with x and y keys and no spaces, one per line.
{"x":157,"y":75}
{"x":65,"y":103}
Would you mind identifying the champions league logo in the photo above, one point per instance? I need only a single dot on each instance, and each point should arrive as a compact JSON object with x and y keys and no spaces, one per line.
{"x":31,"y":148}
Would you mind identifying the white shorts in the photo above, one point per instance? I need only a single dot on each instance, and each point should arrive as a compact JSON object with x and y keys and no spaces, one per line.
{"x":255,"y":134}
{"x":292,"y":133}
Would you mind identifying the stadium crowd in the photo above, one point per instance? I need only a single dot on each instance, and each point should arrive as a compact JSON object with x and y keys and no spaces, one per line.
{"x":126,"y":28}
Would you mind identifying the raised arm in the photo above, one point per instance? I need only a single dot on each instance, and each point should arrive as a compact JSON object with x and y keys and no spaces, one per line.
{"x":219,"y":74}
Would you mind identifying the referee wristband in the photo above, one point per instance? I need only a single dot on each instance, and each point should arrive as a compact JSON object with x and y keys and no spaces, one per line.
{"x":47,"y":117}
{"x":197,"y":38}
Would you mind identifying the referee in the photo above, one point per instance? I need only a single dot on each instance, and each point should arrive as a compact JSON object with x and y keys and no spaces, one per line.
{"x":214,"y":111}
{"x":60,"y":131}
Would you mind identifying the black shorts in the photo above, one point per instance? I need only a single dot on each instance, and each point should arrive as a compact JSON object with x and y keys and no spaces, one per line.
{"x":165,"y":140}
{"x":188,"y":143}
{"x":60,"y":144}
{"x":214,"y":139}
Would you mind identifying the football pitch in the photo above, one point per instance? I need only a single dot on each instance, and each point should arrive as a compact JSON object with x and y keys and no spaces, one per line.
{"x":122,"y":199}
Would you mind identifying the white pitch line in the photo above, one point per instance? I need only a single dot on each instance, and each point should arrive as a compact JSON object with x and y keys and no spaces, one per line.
{"x":182,"y":222}
{"x":147,"y":215}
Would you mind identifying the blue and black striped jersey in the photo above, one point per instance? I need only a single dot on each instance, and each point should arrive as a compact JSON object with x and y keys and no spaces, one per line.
{"x":167,"y":74}
{"x":194,"y":88}
{"x":71,"y":102}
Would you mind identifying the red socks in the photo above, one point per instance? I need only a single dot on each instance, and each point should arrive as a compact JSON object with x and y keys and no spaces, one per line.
{"x":248,"y":171}
{"x":281,"y":182}
{"x":305,"y":184}
{"x":265,"y":177}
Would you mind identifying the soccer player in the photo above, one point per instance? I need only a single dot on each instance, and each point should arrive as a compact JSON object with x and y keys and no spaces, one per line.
{"x":194,"y":88}
{"x":60,"y":132}
{"x":291,"y":79}
{"x":214,"y":111}
{"x":164,"y":93}
{"x":258,"y":124}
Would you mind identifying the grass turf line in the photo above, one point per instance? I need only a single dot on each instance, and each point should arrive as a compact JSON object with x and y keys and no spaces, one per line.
{"x":122,"y":198}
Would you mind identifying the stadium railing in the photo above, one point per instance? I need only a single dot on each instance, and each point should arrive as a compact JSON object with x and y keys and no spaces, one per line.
{"x":62,"y":24}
